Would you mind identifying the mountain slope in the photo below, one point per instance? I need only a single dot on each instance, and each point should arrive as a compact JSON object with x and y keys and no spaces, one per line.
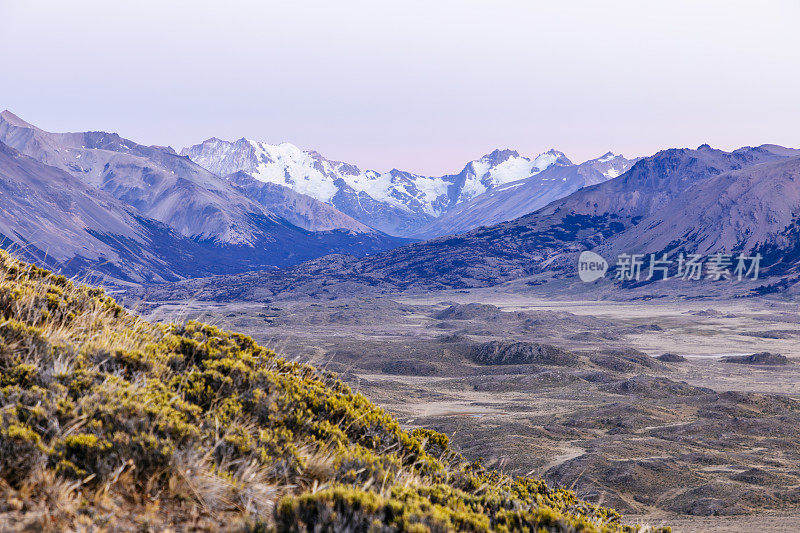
{"x":752,"y":209}
{"x":514,"y":199}
{"x":395,"y":202}
{"x":158,"y":183}
{"x":656,"y":180}
{"x":51,"y":216}
{"x":113,"y":423}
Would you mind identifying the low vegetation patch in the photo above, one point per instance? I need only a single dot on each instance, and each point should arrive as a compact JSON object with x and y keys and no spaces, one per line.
{"x":108,"y":422}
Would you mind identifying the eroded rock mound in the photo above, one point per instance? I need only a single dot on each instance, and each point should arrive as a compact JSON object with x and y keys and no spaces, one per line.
{"x":762,"y":358}
{"x":656,"y":387}
{"x":671,"y":358}
{"x":625,"y":360}
{"x":468,"y":312}
{"x":522,"y":353}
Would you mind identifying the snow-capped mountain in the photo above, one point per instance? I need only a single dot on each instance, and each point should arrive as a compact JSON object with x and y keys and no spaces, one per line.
{"x":609,"y":165}
{"x":395,"y":202}
{"x":501,"y":167}
{"x":503,"y":201}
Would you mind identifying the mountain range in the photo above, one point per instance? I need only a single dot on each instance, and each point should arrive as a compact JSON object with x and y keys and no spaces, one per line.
{"x":510,"y":200}
{"x":146,"y":214}
{"x":51,"y":216}
{"x":263,"y":219}
{"x":403,"y":203}
{"x":696,"y":201}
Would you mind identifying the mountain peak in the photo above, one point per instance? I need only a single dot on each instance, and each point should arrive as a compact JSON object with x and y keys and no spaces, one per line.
{"x":14,"y":120}
{"x":551,"y":157}
{"x":286,"y":145}
{"x":498,"y":156}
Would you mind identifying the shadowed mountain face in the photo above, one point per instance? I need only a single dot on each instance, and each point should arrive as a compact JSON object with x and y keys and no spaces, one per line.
{"x":156,"y":182}
{"x":713,"y":200}
{"x":203,"y":224}
{"x":754,"y":210}
{"x":740,"y":209}
{"x":52,"y":217}
{"x":655,"y":181}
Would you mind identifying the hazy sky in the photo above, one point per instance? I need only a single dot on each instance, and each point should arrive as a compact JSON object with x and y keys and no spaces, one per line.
{"x":422,"y":86}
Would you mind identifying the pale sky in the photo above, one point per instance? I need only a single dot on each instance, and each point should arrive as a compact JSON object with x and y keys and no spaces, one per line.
{"x":423,"y":86}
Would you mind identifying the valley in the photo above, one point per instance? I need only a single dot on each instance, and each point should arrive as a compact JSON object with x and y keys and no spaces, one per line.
{"x":576,"y":393}
{"x":407,"y":267}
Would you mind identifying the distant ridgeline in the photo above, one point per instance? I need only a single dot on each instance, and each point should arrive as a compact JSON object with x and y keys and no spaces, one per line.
{"x":112,"y":422}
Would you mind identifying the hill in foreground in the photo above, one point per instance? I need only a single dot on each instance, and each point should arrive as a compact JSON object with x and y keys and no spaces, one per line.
{"x":111,"y":422}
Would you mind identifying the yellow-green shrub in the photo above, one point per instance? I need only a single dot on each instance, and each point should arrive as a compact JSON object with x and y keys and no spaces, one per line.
{"x":189,"y":415}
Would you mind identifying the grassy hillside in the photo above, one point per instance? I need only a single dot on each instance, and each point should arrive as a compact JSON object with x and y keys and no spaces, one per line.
{"x":110,"y":422}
